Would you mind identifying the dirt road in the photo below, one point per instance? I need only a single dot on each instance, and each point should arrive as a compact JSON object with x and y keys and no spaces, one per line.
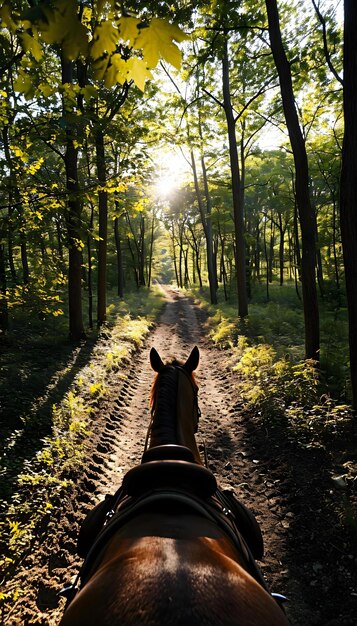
{"x":241,"y":457}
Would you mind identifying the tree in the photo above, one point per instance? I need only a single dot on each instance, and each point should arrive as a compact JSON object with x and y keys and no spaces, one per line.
{"x":119,"y":49}
{"x":306,"y":213}
{"x":348,"y":181}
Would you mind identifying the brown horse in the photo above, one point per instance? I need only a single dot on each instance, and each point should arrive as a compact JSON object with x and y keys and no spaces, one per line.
{"x":168,"y":547}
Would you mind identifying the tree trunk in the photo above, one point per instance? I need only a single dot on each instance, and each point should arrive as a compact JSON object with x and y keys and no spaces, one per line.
{"x":3,"y":295}
{"x":306,"y":213}
{"x":103,"y":228}
{"x":206,"y":223}
{"x":237,"y":195}
{"x":348,"y":182}
{"x":119,"y":259}
{"x":73,"y":218}
{"x":334,"y":244}
{"x":151,"y":248}
{"x":271,"y":252}
{"x":120,"y":267}
{"x":142,"y":252}
{"x":266,"y":259}
{"x":281,"y":250}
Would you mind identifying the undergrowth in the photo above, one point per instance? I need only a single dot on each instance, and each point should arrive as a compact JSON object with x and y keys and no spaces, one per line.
{"x":277,"y":383}
{"x":41,"y":480}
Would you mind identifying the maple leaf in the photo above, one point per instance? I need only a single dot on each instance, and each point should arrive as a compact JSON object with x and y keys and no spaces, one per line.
{"x":116,"y":71}
{"x":63,"y":26}
{"x":156,"y":41}
{"x":32,"y":45}
{"x":105,"y":39}
{"x":138,"y":71}
{"x":128,"y":28}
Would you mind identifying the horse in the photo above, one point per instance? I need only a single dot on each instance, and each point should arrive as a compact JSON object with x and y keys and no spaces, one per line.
{"x":169,"y":547}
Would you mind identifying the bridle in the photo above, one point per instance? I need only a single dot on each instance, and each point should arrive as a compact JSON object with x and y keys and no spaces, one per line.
{"x":196,"y":411}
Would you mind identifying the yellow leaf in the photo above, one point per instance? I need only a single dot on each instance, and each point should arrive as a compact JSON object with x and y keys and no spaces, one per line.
{"x":128,"y":28}
{"x":117,"y":71}
{"x":6,"y":18}
{"x":138,"y":72}
{"x":157,"y":41}
{"x":32,"y":45}
{"x":105,"y":39}
{"x":63,"y":26}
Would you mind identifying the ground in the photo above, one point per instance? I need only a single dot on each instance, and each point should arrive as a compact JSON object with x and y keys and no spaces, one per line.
{"x":286,"y":486}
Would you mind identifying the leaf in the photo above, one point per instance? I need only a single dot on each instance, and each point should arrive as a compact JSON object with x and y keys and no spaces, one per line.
{"x":23,"y":84}
{"x":6,"y":18}
{"x":63,"y":26}
{"x":46,"y":89}
{"x":117,"y":71}
{"x":89,"y":91}
{"x":128,"y":28}
{"x":138,"y":72}
{"x":105,"y":39}
{"x":32,"y":45}
{"x":156,"y":41}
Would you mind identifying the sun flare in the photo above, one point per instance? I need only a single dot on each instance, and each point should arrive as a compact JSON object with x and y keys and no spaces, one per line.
{"x":173,"y":170}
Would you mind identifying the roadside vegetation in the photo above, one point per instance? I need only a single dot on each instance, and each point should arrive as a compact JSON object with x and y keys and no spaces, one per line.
{"x":289,"y":393}
{"x":42,"y":457}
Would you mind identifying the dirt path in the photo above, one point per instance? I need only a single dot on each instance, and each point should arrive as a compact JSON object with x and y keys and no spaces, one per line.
{"x":238,"y":457}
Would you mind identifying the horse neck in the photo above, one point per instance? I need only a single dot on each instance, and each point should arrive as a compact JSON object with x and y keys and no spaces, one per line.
{"x":174,"y":411}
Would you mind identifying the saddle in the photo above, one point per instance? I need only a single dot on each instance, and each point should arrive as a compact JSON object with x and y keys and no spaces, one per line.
{"x":179,"y":482}
{"x":170,"y":470}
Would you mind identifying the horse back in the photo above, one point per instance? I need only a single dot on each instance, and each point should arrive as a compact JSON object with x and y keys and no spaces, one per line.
{"x":183,"y":571}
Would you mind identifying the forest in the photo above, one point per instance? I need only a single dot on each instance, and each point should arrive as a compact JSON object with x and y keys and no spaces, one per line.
{"x":209,"y":145}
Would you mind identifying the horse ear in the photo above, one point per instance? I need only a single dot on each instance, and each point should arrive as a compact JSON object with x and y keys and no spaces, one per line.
{"x":155,"y":360}
{"x":193,"y":360}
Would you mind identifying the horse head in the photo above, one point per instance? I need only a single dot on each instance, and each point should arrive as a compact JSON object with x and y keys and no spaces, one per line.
{"x":174,"y":403}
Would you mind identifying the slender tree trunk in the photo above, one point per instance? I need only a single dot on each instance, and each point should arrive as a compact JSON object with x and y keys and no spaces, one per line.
{"x":135,"y":269}
{"x":103,"y":227}
{"x":59,"y":241}
{"x":206,"y":223}
{"x":306,"y":213}
{"x":120,"y":268}
{"x":271,"y":252}
{"x":237,"y":195}
{"x":281,"y":250}
{"x":4,"y":319}
{"x":142,"y":252}
{"x":348,"y":182}
{"x":257,"y":249}
{"x":13,"y":196}
{"x":151,"y":248}
{"x":334,"y":244}
{"x":76,"y":328}
{"x":266,"y":259}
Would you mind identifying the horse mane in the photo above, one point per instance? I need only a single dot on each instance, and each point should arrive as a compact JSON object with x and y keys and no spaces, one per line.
{"x":164,"y":398}
{"x":173,"y":363}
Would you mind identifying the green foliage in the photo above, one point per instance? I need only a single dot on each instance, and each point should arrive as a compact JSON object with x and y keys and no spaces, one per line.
{"x":272,"y":376}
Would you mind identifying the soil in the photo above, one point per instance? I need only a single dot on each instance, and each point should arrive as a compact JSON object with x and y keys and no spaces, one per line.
{"x":288,"y":487}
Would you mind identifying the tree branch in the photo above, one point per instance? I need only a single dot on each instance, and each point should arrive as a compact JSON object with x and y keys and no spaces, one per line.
{"x":324,"y":36}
